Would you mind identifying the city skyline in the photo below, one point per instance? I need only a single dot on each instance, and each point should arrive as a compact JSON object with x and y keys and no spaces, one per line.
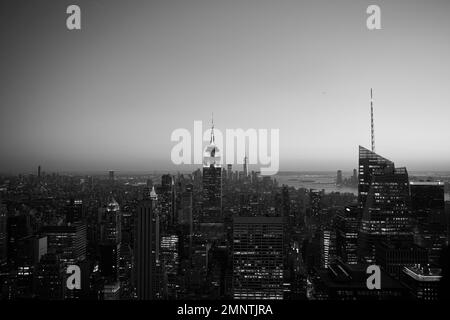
{"x":224,"y":234}
{"x":110,"y":94}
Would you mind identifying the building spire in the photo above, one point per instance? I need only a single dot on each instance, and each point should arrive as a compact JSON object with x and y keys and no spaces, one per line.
{"x":153,"y":194}
{"x":212,"y":128}
{"x":245,"y":164}
{"x":371,"y":121}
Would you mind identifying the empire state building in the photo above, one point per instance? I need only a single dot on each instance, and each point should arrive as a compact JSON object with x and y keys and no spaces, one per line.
{"x":212,"y":183}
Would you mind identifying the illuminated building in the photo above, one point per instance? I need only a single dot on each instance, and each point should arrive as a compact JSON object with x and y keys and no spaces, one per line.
{"x":258,"y":258}
{"x":111,"y":291}
{"x":328,"y":247}
{"x":170,"y":259}
{"x":385,"y":201}
{"x":169,"y":253}
{"x":347,"y":228}
{"x":393,"y":257}
{"x":110,"y":245}
{"x":49,"y":278}
{"x":166,"y":200}
{"x":212,"y":183}
{"x":315,"y":197}
{"x":30,"y":250}
{"x":428,"y":209}
{"x":369,"y":162}
{"x":185,"y":213}
{"x":74,"y":210}
{"x":3,"y":235}
{"x":17,"y":227}
{"x":67,"y":241}
{"x":422,"y":283}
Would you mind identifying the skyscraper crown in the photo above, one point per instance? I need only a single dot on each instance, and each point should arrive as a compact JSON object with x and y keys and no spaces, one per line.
{"x":112,"y":204}
{"x":153,"y":194}
{"x":211,"y":155}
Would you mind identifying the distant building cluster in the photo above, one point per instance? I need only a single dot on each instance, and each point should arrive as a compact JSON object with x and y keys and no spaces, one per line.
{"x":220,"y":233}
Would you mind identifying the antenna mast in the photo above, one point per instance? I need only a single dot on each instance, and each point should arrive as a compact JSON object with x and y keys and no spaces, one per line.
{"x":371,"y":121}
{"x":212,"y":128}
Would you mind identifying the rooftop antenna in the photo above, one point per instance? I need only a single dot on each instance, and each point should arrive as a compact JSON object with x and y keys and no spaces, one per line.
{"x":212,"y":127}
{"x":371,"y":121}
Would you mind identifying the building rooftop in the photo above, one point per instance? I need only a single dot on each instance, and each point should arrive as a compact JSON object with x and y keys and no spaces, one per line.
{"x":258,"y":219}
{"x":426,"y":183}
{"x":341,"y":275}
{"x":423,"y":274}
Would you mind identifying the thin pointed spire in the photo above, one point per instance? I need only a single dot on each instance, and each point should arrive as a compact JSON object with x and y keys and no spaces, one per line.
{"x":212,"y":128}
{"x":371,"y":121}
{"x":153,"y":194}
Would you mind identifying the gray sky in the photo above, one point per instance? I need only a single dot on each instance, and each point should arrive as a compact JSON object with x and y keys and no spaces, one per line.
{"x":110,"y":95}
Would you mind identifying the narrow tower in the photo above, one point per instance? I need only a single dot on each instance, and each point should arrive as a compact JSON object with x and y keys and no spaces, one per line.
{"x":245,"y":166}
{"x":212,"y":182}
{"x":212,"y":129}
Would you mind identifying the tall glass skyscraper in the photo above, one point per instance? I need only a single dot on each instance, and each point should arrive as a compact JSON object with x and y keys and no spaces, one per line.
{"x":385,"y":201}
{"x":369,"y":162}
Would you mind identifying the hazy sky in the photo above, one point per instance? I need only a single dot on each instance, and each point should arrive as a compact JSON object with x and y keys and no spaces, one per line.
{"x":110,"y":95}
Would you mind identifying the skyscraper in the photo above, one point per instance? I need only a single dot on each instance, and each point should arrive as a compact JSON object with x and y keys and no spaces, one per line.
{"x":314,"y":215}
{"x":245,"y":167}
{"x":258,"y":257}
{"x":185,"y":213}
{"x":3,"y":235}
{"x":166,"y":200}
{"x":385,"y":201}
{"x":170,"y":259}
{"x":17,"y":227}
{"x":111,"y":175}
{"x":229,"y":172}
{"x":393,"y":257}
{"x":428,"y":209}
{"x":355,"y":177}
{"x":369,"y":162}
{"x":347,"y":229}
{"x":146,"y":248}
{"x":49,"y":278}
{"x":212,"y":183}
{"x":74,"y":210}
{"x":422,"y":282}
{"x":30,"y":249}
{"x":328,"y":247}
{"x":67,"y":241}
{"x":110,"y":241}
{"x":315,"y":198}
{"x":339,"y":178}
